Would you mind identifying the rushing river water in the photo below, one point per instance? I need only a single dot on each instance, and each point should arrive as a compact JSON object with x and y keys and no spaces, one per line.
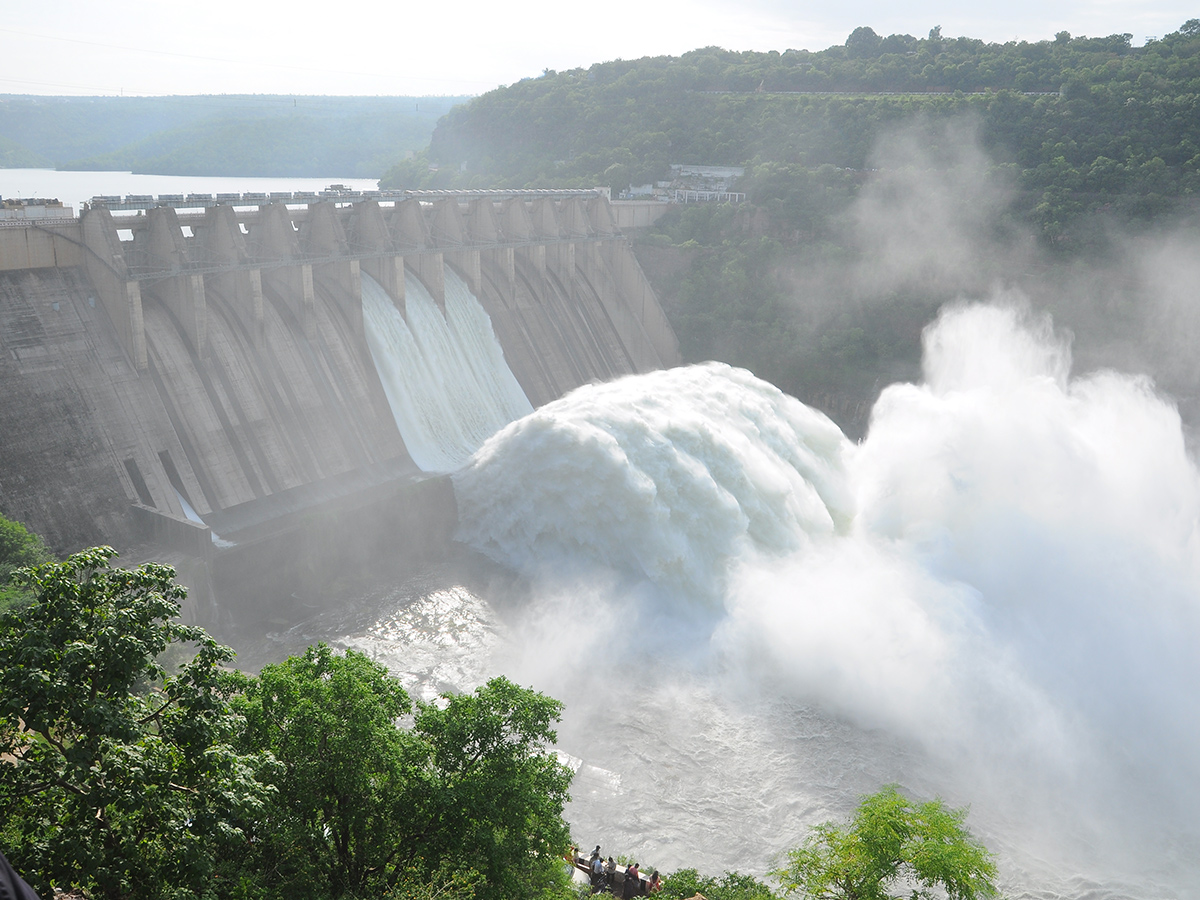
{"x":994,"y":598}
{"x":444,"y":373}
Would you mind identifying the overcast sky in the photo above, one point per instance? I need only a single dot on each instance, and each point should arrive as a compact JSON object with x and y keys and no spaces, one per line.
{"x":405,"y":47}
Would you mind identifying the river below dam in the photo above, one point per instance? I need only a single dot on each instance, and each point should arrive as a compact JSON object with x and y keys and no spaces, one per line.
{"x":993,"y":598}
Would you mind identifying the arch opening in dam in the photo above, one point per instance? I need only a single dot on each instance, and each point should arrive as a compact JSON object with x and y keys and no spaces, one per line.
{"x":182,"y":371}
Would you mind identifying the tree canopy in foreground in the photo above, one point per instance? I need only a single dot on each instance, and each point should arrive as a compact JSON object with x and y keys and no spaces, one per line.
{"x":121,"y":778}
{"x":135,"y":765}
{"x":469,"y":795}
{"x":891,"y":843}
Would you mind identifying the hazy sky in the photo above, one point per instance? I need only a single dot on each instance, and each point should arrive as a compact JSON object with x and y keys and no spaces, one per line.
{"x":405,"y":47}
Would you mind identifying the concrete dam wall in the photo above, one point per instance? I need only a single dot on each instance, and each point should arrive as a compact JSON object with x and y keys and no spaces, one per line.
{"x":176,"y":376}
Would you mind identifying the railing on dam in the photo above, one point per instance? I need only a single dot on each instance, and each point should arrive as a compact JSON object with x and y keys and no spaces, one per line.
{"x":131,"y":257}
{"x":707,"y":197}
{"x":413,"y":224}
{"x":140,"y":202}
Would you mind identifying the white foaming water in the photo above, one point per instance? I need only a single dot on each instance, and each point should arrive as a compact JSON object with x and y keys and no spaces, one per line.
{"x":671,"y":476}
{"x":444,"y":375}
{"x":995,"y":597}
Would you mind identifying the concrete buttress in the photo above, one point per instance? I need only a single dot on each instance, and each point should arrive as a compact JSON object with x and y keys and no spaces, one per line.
{"x":411,"y":232}
{"x":323,"y":236}
{"x":181,"y":293}
{"x":109,"y":274}
{"x":450,"y":230}
{"x":276,"y":243}
{"x":369,"y":232}
{"x":222,"y":242}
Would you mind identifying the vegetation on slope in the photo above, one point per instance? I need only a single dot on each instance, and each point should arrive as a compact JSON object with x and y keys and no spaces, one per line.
{"x":18,"y":547}
{"x":892,"y":847}
{"x":120,"y":777}
{"x":923,"y":849}
{"x":264,"y":135}
{"x":1083,"y":121}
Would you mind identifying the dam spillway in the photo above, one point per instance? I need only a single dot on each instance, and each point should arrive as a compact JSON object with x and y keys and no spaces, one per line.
{"x":191,"y":373}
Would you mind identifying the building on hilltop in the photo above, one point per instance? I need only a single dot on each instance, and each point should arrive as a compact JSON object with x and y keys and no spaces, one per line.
{"x":704,"y":178}
{"x":690,"y":184}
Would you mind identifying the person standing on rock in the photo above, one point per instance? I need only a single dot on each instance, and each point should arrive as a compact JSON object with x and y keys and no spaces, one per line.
{"x":633,"y":882}
{"x":597,"y":873}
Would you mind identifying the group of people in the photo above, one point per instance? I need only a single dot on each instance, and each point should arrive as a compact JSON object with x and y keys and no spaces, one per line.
{"x":625,"y":883}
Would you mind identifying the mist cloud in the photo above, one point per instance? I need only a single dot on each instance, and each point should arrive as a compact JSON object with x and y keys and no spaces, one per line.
{"x":1013,"y":599}
{"x":931,"y":215}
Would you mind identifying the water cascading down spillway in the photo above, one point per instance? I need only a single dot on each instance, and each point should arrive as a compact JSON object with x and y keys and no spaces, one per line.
{"x":445,"y":376}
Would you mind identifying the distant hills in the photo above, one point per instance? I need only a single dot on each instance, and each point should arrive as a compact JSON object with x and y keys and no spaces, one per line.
{"x":245,"y":135}
{"x":1092,"y":117}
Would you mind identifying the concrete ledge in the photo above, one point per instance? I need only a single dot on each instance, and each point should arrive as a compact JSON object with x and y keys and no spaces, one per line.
{"x":184,"y":535}
{"x":33,"y":244}
{"x":284,"y":510}
{"x":630,"y":215}
{"x":396,"y":525}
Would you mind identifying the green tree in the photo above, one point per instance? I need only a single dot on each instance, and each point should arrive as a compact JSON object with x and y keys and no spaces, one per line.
{"x":863,"y":41}
{"x":891,"y":842}
{"x":339,"y":818}
{"x":122,"y":779}
{"x":495,"y":792}
{"x":18,"y":547}
{"x":468,"y":798}
{"x":688,"y":883}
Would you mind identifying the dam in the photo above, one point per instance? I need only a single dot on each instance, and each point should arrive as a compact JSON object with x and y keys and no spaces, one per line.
{"x":992,"y":598}
{"x":193,"y":372}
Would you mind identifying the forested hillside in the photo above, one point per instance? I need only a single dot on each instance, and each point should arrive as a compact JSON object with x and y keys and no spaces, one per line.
{"x":217,"y":135}
{"x":885,"y":177}
{"x":1083,"y":121}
